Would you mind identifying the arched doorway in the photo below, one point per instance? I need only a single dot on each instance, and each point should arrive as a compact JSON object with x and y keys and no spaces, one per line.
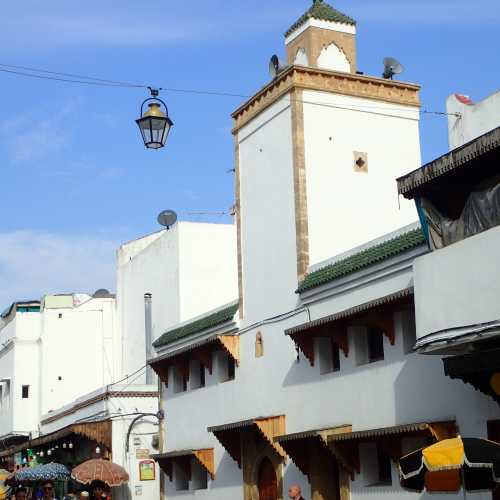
{"x":268,"y":482}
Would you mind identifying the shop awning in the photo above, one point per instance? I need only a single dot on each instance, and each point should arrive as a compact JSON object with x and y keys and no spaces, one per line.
{"x":201,"y":351}
{"x":301,"y":445}
{"x":480,"y":369}
{"x":345,"y":445}
{"x":229,"y":435}
{"x":205,"y":458}
{"x":100,"y":432}
{"x":378,"y":312}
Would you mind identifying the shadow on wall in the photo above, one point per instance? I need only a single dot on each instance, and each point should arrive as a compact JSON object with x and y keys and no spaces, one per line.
{"x":228,"y":474}
{"x":423,"y":392}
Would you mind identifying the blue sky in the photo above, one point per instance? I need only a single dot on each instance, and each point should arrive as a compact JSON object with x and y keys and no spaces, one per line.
{"x":76,"y":181}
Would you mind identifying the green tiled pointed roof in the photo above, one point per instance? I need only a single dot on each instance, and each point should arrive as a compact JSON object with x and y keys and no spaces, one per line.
{"x":209,"y":321}
{"x":324,"y":12}
{"x":363,"y":259}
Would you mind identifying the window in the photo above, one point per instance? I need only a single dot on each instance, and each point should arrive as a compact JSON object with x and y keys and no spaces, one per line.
{"x":180,"y":381}
{"x":259,"y":345}
{"x":328,"y":355}
{"x":226,"y":367}
{"x":197,"y":374}
{"x":26,"y":391}
{"x":181,"y":478}
{"x":375,"y":339}
{"x":199,"y":476}
{"x":60,"y":315}
{"x":376,"y":465}
{"x":384,"y":467}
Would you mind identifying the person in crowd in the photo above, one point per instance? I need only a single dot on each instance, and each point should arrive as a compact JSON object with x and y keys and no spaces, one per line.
{"x":98,"y":490}
{"x":84,"y":495}
{"x":295,"y":493}
{"x":48,"y":490}
{"x":21,"y":494}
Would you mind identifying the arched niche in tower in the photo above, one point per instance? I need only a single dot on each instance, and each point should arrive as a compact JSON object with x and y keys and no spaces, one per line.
{"x":301,"y":58}
{"x":334,"y":59}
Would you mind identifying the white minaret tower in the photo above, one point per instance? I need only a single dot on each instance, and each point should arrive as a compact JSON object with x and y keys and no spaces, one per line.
{"x":318,"y":150}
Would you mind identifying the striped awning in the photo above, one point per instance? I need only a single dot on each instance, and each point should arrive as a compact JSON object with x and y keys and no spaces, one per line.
{"x":205,"y":457}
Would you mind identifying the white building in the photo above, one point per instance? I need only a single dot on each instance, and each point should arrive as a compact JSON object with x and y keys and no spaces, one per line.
{"x":45,"y":348}
{"x":310,"y":377}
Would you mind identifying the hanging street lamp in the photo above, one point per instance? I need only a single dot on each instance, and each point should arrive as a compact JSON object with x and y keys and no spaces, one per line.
{"x":154,"y":124}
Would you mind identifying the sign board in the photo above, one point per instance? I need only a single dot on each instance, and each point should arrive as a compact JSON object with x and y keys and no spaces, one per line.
{"x":147,"y":470}
{"x":142,"y":453}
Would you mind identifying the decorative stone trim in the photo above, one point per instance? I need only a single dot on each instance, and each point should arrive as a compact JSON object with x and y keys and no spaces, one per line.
{"x":301,"y":77}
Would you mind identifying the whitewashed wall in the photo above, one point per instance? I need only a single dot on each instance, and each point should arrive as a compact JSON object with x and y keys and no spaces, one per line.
{"x":345,"y":207}
{"x":19,"y":362}
{"x":404,"y":388}
{"x":76,"y":341}
{"x":473,"y":120}
{"x":170,"y":267}
{"x":269,"y":255}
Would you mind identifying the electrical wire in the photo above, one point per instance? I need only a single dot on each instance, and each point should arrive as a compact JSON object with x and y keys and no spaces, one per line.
{"x":43,"y":74}
{"x":128,"y":376}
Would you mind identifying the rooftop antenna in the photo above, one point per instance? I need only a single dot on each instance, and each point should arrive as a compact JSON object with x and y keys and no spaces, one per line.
{"x":275,"y":66}
{"x":392,"y":67}
{"x":167,"y":218}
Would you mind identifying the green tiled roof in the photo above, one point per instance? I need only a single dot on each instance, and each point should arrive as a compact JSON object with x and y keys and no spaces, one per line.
{"x":363,"y":259}
{"x":210,"y":321}
{"x":324,"y":12}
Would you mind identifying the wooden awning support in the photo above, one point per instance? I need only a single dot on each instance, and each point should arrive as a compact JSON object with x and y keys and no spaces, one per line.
{"x":377,"y":313}
{"x":345,"y":446}
{"x":301,"y":445}
{"x":205,"y":457}
{"x":201,"y":352}
{"x":267,"y":428}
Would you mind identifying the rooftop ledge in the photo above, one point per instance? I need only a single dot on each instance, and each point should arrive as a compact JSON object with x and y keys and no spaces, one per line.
{"x":304,"y":77}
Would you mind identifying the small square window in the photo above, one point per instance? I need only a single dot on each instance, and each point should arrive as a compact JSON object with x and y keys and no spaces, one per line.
{"x":199,"y":476}
{"x":26,"y":391}
{"x":180,"y":381}
{"x":328,"y":354}
{"x":226,"y":367}
{"x":60,"y":315}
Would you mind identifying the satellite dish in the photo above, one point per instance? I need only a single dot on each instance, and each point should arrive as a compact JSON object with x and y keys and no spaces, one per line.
{"x":167,"y":219}
{"x":275,"y":66}
{"x":102,"y":293}
{"x":392,"y":67}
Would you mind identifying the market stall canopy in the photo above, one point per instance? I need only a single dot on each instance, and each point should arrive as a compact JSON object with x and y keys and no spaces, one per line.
{"x":446,"y":466}
{"x":4,"y":474}
{"x":100,"y":470}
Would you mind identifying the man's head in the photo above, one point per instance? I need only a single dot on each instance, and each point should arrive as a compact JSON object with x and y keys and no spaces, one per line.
{"x":98,"y":490}
{"x":48,"y":489}
{"x":294,"y":492}
{"x":21,"y":494}
{"x":84,"y":495}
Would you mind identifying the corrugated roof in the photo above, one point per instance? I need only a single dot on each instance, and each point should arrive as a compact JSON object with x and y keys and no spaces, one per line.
{"x":363,"y":259}
{"x":324,"y":12}
{"x":211,"y":320}
{"x":386,"y":431}
{"x":460,"y":157}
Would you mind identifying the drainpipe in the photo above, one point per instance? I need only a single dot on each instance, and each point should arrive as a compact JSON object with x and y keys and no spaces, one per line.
{"x":149,"y":335}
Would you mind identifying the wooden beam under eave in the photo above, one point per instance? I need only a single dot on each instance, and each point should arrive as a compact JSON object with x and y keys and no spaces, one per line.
{"x":305,"y":342}
{"x":161,"y":369}
{"x":231,"y":344}
{"x":204,"y":355}
{"x":270,"y":428}
{"x":206,"y":459}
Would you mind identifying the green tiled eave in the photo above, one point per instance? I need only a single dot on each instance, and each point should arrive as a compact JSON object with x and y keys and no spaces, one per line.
{"x":363,"y":259}
{"x":210,"y":321}
{"x":324,"y":12}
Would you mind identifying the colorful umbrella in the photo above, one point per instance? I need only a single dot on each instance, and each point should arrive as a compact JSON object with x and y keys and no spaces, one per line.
{"x":452,"y":463}
{"x":4,"y":474}
{"x":100,"y":470}
{"x":46,"y":472}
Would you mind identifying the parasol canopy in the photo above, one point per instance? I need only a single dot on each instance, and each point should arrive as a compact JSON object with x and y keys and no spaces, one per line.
{"x":4,"y":474}
{"x":46,"y":472}
{"x":100,"y":470}
{"x":449,"y":464}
